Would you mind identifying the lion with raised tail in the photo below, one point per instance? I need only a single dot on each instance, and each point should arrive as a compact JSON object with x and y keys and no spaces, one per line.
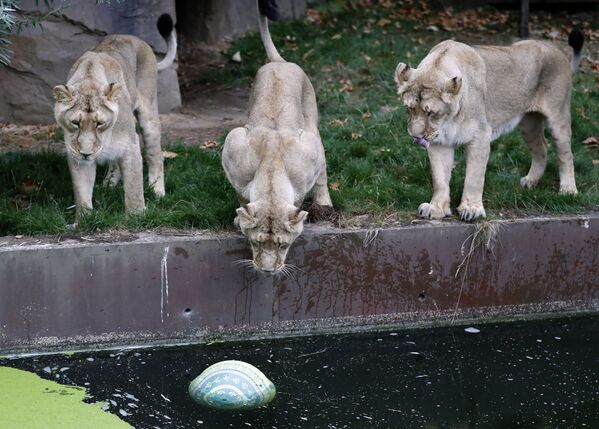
{"x":108,"y":89}
{"x":278,"y":157}
{"x":471,"y":95}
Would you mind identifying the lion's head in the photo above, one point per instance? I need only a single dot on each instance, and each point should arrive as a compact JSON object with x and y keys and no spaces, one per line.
{"x":87,"y":113}
{"x":271,"y":231}
{"x":431,"y":102}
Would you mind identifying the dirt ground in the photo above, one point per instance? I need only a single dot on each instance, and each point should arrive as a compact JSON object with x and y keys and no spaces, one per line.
{"x":209,"y":111}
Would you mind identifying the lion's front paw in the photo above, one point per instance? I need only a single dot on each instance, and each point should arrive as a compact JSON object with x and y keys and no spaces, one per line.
{"x":469,"y":212}
{"x":431,"y":211}
{"x":527,"y":182}
{"x":568,"y":190}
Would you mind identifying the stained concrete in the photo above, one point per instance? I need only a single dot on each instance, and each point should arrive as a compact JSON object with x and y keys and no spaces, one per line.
{"x":144,"y":288}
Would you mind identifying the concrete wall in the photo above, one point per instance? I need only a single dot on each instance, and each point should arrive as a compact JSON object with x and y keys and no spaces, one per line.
{"x":142,"y":289}
{"x":43,"y":56}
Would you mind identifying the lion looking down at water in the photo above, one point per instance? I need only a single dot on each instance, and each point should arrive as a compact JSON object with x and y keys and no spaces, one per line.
{"x":109,"y":88}
{"x":471,"y":95}
{"x":277,"y":158}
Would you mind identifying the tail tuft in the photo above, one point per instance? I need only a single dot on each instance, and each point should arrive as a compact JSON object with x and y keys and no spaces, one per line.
{"x":576,"y":40}
{"x":165,"y":25}
{"x":167,"y":30}
{"x":269,"y":9}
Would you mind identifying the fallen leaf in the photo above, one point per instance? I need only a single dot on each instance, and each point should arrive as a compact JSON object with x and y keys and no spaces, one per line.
{"x":346,"y":85}
{"x":433,"y":28}
{"x":29,"y":185}
{"x":314,"y":16}
{"x":356,"y":136}
{"x":591,"y":141}
{"x":382,"y":22}
{"x":338,"y":122}
{"x":366,"y":115}
{"x":236,"y":57}
{"x":20,"y":201}
{"x":336,"y":36}
{"x":335,"y":186}
{"x":169,"y":155}
{"x":387,"y":109}
{"x":595,"y":161}
{"x":209,"y":144}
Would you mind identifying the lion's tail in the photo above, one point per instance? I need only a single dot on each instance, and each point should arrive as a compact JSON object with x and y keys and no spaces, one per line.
{"x":268,"y":9}
{"x":576,"y":40}
{"x":167,"y":30}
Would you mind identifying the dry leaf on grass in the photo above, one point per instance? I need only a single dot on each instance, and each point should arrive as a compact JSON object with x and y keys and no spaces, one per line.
{"x":595,"y":161}
{"x":591,"y":141}
{"x":335,"y":186}
{"x":366,"y":115}
{"x":356,"y":136}
{"x":314,"y":16}
{"x":346,"y":85}
{"x":169,"y":155}
{"x":387,"y":109}
{"x":338,"y":122}
{"x":19,"y":201}
{"x":209,"y":144}
{"x":29,"y":185}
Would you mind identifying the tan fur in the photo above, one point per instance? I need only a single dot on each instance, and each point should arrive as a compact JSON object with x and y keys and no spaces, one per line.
{"x":471,"y":95}
{"x":274,"y":161}
{"x":108,"y":88}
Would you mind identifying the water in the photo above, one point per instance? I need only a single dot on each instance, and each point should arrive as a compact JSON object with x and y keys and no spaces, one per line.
{"x":541,"y":374}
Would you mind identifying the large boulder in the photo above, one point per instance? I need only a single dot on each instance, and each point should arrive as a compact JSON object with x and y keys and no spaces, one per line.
{"x":210,"y":21}
{"x":42,"y":56}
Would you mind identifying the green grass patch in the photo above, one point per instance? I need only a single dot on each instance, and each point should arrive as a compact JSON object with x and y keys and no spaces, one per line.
{"x":350,"y":60}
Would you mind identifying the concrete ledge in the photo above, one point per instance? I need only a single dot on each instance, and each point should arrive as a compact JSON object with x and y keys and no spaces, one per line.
{"x":147,"y":289}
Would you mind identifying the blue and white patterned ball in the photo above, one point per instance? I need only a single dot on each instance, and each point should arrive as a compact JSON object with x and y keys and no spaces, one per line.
{"x":232,"y":385}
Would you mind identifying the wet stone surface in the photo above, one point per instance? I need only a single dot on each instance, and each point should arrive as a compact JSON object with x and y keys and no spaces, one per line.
{"x":540,"y":374}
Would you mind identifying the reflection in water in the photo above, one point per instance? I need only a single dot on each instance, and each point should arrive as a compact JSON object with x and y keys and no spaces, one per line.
{"x":529,"y":375}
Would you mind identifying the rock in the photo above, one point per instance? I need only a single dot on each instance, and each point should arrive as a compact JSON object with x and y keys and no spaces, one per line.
{"x":211,"y":21}
{"x":43,"y":56}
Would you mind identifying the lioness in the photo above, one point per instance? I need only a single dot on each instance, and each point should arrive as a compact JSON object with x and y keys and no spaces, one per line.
{"x":107,"y":89}
{"x":471,"y":95}
{"x":276,"y":159}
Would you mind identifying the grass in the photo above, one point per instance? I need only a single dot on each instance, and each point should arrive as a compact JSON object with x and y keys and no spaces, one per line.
{"x":350,"y":59}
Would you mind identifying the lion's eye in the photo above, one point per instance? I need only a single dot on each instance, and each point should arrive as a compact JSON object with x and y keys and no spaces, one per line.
{"x":100,"y":124}
{"x":429,"y":113}
{"x":75,"y":123}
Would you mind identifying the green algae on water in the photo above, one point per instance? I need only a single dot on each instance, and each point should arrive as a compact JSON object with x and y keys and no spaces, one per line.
{"x":28,"y":401}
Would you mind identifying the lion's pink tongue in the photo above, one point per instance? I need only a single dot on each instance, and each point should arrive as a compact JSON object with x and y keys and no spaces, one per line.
{"x":422,"y":142}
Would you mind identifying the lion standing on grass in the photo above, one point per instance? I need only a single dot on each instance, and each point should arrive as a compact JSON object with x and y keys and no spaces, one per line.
{"x":471,"y":95}
{"x":109,"y":88}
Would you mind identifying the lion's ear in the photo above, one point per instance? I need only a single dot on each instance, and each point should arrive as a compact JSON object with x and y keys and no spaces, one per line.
{"x":112,"y":91}
{"x":245,"y":218}
{"x":403,"y":73}
{"x":451,"y":89}
{"x":295,"y":220}
{"x":62,"y":93}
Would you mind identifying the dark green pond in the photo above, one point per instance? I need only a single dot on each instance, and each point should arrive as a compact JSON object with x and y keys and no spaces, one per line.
{"x":540,"y":374}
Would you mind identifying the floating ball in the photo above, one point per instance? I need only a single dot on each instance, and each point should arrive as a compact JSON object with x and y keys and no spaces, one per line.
{"x":232,"y":385}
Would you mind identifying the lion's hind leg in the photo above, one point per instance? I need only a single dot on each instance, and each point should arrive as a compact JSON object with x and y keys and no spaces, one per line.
{"x":149,"y":122}
{"x":560,"y":127}
{"x":532,"y":127}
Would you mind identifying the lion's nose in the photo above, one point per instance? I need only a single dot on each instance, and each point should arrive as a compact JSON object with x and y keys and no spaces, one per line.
{"x":86,"y":155}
